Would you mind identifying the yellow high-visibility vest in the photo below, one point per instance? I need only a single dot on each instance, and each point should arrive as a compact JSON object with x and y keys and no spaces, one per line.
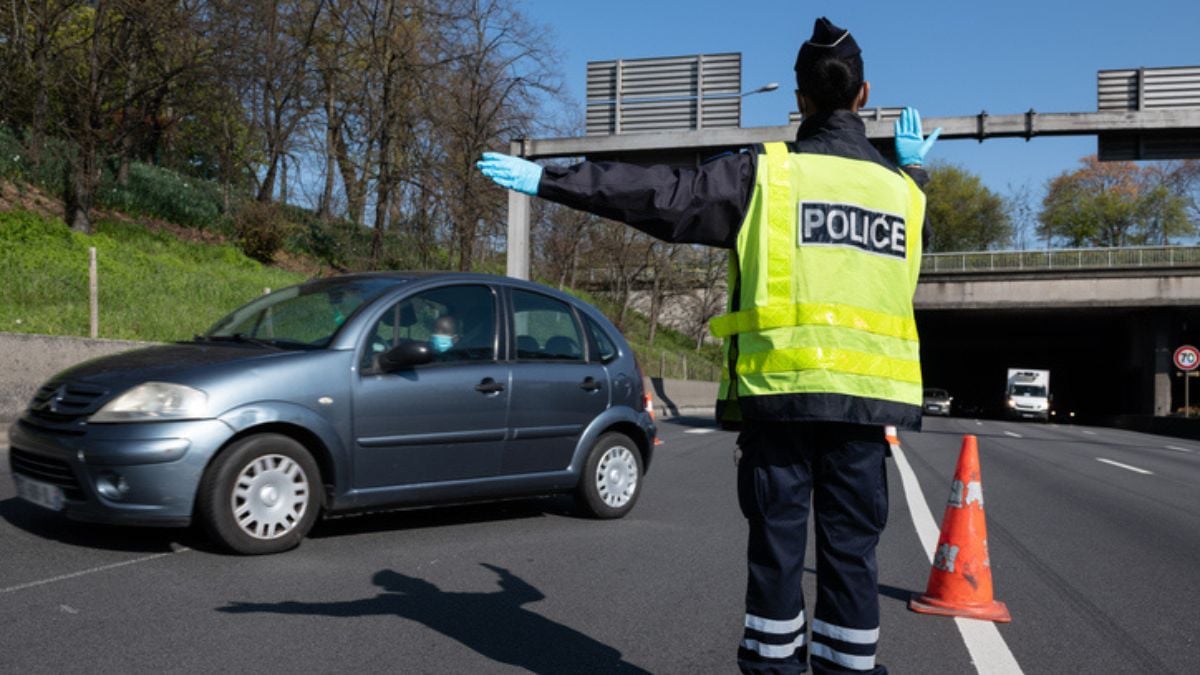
{"x":821,"y":326}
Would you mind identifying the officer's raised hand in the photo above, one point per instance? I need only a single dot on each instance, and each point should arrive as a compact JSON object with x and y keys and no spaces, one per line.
{"x":511,"y":172}
{"x":911,"y":147}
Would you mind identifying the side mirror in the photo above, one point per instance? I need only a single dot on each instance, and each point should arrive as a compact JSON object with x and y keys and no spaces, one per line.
{"x":405,"y":355}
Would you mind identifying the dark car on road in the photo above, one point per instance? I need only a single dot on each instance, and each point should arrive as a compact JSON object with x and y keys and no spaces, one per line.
{"x":937,"y":402}
{"x":345,"y":394}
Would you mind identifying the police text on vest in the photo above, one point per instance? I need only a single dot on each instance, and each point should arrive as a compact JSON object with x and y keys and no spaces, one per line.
{"x":824,"y":224}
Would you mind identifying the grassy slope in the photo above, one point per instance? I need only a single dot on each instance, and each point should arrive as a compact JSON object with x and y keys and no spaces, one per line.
{"x":45,"y":280}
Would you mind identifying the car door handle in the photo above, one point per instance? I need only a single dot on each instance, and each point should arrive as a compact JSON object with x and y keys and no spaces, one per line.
{"x":590,"y":384}
{"x":489,"y":386}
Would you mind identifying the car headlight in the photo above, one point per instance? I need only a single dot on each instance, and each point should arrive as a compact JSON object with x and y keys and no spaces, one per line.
{"x":1011,"y":403}
{"x":154,"y":401}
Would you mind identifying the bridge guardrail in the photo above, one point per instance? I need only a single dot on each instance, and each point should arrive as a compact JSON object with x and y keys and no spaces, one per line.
{"x":1061,"y":259}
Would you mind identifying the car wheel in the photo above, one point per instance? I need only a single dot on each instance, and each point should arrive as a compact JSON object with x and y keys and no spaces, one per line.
{"x":260,"y":495}
{"x":611,"y":480}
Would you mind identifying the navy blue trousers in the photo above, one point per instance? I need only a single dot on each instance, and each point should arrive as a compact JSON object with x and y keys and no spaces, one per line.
{"x":838,"y":470}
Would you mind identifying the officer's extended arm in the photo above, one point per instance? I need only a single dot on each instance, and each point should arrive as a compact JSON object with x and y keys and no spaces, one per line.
{"x":697,"y":205}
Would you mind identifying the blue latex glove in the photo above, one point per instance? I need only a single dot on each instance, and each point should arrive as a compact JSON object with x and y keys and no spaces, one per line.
{"x":511,"y":172}
{"x":911,"y":148}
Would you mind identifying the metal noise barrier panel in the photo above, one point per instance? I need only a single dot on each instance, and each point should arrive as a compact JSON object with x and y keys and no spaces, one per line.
{"x":1141,"y":89}
{"x":664,"y":94}
{"x":1148,"y":88}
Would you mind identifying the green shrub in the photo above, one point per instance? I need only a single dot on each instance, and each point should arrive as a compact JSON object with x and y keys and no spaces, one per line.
{"x":161,"y":193}
{"x":261,"y":230}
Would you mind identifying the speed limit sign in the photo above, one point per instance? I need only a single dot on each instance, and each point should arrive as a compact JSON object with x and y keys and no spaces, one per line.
{"x":1187,"y":357}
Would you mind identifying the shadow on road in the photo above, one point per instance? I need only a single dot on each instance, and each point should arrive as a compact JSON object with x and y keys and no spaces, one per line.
{"x":884,"y":590}
{"x":496,"y":625}
{"x":443,"y":516}
{"x":56,"y":527}
{"x":691,"y":421}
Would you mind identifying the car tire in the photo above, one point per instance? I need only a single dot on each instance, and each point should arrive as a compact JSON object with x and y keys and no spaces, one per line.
{"x":260,"y":495}
{"x":612,"y":477}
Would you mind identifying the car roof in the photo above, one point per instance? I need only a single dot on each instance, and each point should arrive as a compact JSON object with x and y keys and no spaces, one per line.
{"x":427,"y":276}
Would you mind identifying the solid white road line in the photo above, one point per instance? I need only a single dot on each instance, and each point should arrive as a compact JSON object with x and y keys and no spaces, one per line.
{"x":102,"y":568}
{"x":1013,"y":434}
{"x":699,"y":431}
{"x":1125,"y":466}
{"x":1179,"y":449}
{"x":988,"y":650}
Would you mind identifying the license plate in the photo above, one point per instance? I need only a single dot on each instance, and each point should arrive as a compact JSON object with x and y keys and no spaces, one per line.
{"x":43,"y":494}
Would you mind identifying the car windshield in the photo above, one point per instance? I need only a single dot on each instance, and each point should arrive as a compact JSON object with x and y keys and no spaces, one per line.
{"x":1027,"y":390}
{"x":299,"y":317}
{"x":936,"y":393}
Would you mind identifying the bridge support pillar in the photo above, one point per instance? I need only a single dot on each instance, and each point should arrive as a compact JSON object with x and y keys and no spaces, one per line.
{"x":1161,"y":327}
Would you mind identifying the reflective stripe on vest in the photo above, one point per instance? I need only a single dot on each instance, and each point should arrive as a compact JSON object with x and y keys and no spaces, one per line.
{"x":826,"y":265}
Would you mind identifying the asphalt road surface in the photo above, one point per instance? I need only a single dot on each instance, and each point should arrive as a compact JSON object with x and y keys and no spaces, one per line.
{"x":1093,"y":538}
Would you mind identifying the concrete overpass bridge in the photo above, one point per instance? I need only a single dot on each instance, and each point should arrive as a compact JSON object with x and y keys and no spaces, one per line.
{"x":1105,"y":322}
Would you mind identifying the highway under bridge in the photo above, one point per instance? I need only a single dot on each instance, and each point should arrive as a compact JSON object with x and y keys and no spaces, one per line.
{"x":1105,"y":322}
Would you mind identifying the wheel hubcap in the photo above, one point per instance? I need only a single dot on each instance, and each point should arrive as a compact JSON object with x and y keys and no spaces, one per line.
{"x":270,"y":496}
{"x":617,"y":476}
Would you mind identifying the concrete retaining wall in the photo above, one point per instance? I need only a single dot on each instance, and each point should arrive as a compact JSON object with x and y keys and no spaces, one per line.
{"x":677,"y":398}
{"x":27,"y":361}
{"x":1179,"y":427}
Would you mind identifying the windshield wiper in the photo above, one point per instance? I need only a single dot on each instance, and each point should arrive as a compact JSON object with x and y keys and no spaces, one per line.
{"x":243,"y":338}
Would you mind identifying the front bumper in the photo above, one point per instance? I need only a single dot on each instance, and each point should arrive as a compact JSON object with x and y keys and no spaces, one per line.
{"x":936,"y":409}
{"x":121,"y":474}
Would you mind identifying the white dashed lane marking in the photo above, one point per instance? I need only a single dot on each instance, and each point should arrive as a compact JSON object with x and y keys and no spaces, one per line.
{"x":699,"y":431}
{"x":93,"y":570}
{"x":1179,"y":449}
{"x":1125,"y":466}
{"x":1013,"y":434}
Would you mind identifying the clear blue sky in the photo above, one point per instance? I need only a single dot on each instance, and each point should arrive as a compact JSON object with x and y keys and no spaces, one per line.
{"x":945,"y":58}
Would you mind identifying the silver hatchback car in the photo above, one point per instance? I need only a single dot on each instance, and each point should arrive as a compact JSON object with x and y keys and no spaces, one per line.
{"x":346,"y":394}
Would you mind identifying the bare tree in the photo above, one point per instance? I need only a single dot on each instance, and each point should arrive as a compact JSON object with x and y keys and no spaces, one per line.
{"x":27,"y":56}
{"x":269,"y":46}
{"x":497,"y":68}
{"x":708,"y":299}
{"x":664,"y":260}
{"x":624,"y":255}
{"x":560,"y":235}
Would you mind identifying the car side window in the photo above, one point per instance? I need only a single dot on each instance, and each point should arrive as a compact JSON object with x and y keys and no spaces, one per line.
{"x":605,"y":348}
{"x":545,"y":328}
{"x":458,"y":323}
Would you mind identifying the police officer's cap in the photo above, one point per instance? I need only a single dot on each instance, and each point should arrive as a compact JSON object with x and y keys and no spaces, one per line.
{"x":827,"y":41}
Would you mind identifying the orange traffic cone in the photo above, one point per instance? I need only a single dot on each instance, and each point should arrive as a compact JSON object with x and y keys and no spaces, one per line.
{"x":889,"y":434}
{"x":960,"y":582}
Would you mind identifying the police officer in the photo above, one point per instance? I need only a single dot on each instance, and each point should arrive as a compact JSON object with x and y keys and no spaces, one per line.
{"x":822,"y":348}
